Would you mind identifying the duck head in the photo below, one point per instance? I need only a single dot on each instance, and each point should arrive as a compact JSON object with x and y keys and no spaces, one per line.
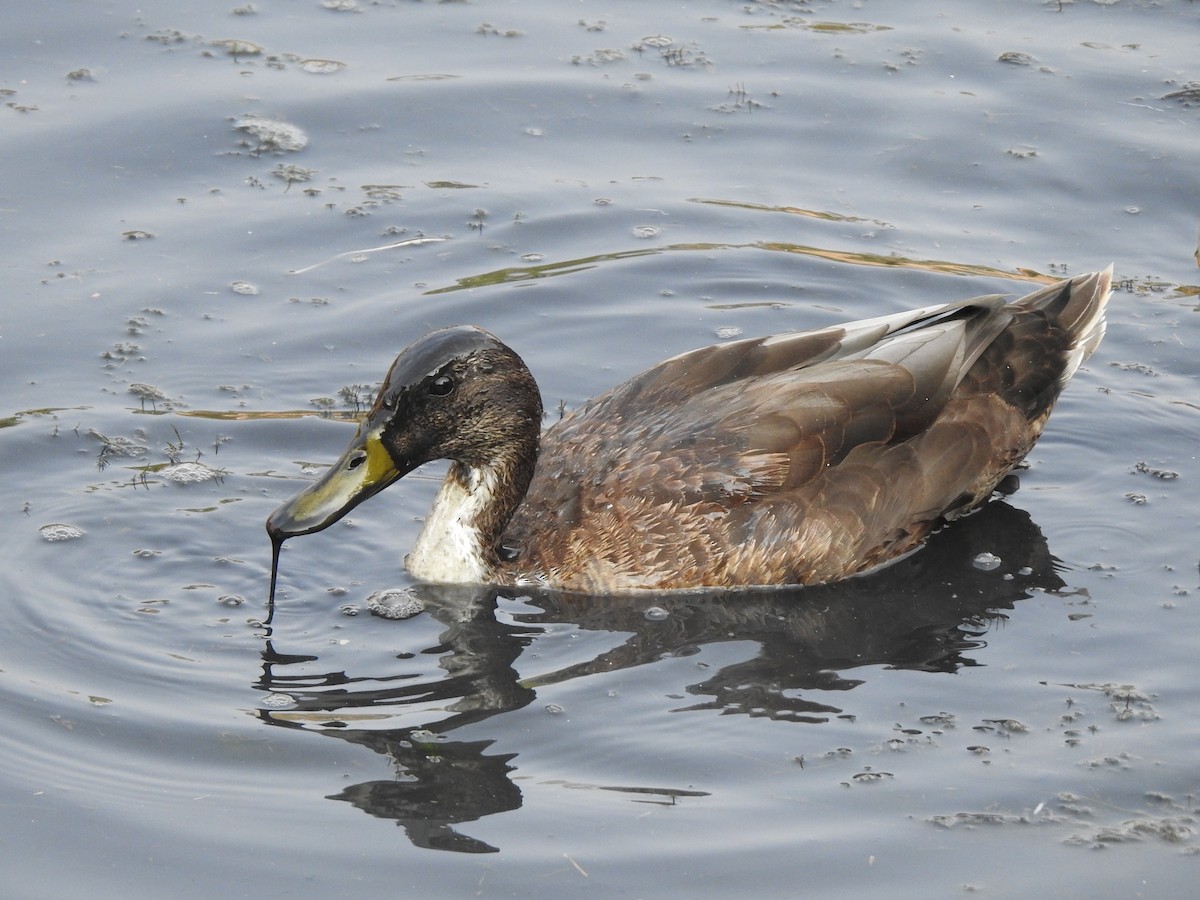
{"x":458,"y":393}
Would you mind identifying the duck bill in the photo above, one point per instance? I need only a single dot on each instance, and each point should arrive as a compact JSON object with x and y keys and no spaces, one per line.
{"x":365,"y":469}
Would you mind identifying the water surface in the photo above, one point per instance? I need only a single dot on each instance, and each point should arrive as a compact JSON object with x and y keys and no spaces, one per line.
{"x":221,"y":224}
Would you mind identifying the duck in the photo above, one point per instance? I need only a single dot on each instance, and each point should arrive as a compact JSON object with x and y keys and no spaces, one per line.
{"x":792,"y":459}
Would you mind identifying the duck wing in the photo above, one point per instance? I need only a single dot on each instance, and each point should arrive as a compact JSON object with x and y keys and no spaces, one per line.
{"x":696,"y":371}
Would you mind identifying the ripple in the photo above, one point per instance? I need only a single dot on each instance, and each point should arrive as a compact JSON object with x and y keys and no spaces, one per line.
{"x":1110,"y":547}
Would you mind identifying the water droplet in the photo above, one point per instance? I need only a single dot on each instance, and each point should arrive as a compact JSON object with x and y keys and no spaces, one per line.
{"x":59,"y":532}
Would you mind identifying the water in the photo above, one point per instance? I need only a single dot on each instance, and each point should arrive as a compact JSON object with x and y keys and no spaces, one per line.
{"x":603,"y":187}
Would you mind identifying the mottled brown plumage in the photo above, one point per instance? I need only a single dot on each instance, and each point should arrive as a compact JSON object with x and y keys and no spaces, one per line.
{"x":795,"y":459}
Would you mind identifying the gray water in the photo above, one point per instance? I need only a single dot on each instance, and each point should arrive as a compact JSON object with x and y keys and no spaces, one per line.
{"x":215,"y":219}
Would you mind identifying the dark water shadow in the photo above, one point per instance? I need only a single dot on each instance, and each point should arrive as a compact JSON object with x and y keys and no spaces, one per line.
{"x":928,"y":612}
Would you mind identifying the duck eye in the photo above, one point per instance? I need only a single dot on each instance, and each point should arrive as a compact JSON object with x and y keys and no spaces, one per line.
{"x":441,"y":386}
{"x":356,"y":460}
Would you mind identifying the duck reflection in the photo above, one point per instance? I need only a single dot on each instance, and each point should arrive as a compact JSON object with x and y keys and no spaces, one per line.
{"x":929,"y":612}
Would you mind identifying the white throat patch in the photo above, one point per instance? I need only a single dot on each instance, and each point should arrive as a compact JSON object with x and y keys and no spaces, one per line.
{"x":450,"y":547}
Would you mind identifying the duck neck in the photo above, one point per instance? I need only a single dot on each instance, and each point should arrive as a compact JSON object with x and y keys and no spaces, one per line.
{"x":460,"y":540}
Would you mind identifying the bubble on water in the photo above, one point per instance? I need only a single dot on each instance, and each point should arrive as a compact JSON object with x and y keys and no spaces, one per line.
{"x":231,"y":600}
{"x":189,"y":473}
{"x":244,"y":287}
{"x":554,"y":709}
{"x":148,"y":392}
{"x":656,"y":614}
{"x":728,"y":331}
{"x":146,"y":554}
{"x":238,"y":47}
{"x":395,"y":603}
{"x":645,"y":232}
{"x":278,"y":701}
{"x":296,"y":175}
{"x":119,"y":446}
{"x":1017,"y":58}
{"x":986,"y":562}
{"x":58,"y":531}
{"x":272,"y":134}
{"x":349,"y":609}
{"x":322,"y":66}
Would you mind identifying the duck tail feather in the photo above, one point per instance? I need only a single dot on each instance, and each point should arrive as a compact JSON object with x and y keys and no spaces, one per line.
{"x":1077,"y":305}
